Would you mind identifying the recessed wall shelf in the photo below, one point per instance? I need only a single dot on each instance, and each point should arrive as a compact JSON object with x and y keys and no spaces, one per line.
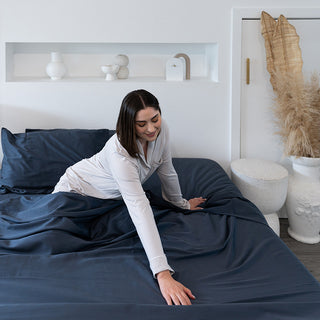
{"x":27,"y":61}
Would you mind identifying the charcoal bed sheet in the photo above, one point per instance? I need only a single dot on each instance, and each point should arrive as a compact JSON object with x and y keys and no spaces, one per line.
{"x":65,"y":256}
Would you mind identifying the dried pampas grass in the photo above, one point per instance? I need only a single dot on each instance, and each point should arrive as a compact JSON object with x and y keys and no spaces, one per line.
{"x":297,"y":102}
{"x":297,"y":112}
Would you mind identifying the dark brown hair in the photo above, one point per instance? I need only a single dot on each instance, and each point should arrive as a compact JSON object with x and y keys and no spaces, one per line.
{"x":132,"y":103}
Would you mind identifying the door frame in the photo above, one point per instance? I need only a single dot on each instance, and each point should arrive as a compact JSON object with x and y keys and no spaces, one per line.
{"x":237,"y":15}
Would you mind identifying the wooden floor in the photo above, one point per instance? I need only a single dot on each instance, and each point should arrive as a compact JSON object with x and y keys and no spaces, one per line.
{"x":308,"y":254}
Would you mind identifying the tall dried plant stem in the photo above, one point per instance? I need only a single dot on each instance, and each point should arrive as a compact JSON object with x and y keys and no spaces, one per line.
{"x":297,"y":114}
{"x":283,"y":53}
{"x":312,"y":97}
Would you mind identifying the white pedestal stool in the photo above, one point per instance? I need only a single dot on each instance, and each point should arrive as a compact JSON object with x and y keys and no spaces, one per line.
{"x":263,"y":182}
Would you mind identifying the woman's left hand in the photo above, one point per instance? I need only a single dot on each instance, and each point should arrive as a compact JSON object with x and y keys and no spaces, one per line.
{"x":195,"y":202}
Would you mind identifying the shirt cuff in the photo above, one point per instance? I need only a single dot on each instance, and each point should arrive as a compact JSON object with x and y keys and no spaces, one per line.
{"x":182,"y":203}
{"x":186,"y":204}
{"x":159,"y":264}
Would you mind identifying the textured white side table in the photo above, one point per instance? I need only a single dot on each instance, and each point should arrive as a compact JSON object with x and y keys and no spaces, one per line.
{"x":263,"y":182}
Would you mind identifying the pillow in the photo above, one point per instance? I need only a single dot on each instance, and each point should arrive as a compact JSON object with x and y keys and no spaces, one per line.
{"x":34,"y":161}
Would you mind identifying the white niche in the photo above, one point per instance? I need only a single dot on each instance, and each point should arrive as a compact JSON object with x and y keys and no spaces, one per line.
{"x":27,"y":61}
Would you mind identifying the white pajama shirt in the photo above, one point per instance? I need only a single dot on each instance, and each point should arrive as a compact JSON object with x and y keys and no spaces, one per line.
{"x":114,"y":174}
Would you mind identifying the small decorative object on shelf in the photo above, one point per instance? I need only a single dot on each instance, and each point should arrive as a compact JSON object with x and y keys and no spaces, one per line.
{"x":56,"y":68}
{"x":111,"y":71}
{"x":122,"y":61}
{"x":174,"y":69}
{"x":187,"y":64}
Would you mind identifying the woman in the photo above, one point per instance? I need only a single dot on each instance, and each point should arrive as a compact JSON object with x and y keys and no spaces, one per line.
{"x":139,"y":148}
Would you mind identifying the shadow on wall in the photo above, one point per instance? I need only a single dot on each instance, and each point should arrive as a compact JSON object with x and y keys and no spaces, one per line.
{"x":17,"y":119}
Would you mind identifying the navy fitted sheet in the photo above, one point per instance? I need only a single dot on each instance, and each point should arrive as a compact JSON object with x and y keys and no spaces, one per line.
{"x":66,"y":256}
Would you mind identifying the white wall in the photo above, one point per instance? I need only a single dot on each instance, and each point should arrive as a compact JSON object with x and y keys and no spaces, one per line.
{"x":199,"y":114}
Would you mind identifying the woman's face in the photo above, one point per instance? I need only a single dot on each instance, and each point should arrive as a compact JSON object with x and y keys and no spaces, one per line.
{"x":148,"y":124}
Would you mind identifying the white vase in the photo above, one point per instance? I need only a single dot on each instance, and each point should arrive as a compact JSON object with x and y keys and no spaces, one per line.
{"x":303,"y":200}
{"x":121,"y":60}
{"x":56,"y":68}
{"x":123,"y":73}
{"x":111,"y":71}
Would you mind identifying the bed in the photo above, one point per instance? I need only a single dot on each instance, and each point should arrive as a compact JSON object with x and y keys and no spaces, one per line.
{"x":66,"y":256}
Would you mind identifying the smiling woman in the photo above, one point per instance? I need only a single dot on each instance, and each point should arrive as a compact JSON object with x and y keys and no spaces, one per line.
{"x":139,"y":148}
{"x":148,"y":125}
{"x":139,"y":111}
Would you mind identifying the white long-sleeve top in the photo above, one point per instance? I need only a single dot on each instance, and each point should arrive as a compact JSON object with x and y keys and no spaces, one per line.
{"x":113,"y":173}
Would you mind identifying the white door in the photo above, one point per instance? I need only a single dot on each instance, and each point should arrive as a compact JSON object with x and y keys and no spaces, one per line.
{"x":258,"y":139}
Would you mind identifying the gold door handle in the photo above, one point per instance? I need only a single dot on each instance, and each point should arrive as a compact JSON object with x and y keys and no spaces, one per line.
{"x":248,"y":71}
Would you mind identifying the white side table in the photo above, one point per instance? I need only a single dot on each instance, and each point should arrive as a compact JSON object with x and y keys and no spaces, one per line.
{"x":263,"y":182}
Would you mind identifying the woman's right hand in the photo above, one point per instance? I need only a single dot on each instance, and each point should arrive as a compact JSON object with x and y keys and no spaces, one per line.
{"x":173,"y":291}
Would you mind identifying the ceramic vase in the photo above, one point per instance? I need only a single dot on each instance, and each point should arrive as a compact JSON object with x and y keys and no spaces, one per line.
{"x":122,"y":61}
{"x":111,"y":71}
{"x":56,"y":68}
{"x":303,"y":200}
